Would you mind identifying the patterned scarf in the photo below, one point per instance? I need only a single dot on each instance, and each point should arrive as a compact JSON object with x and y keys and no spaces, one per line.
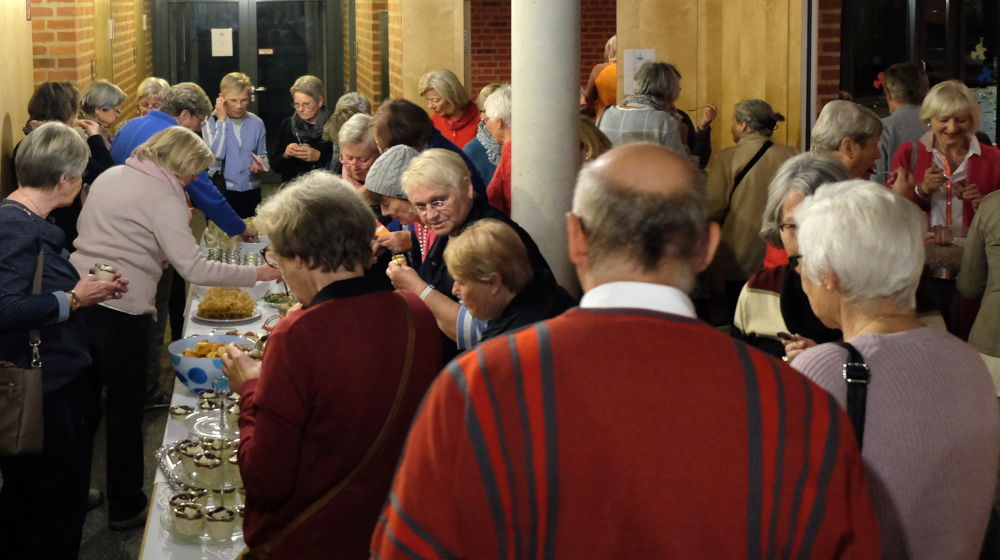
{"x":304,"y":132}
{"x":644,"y":100}
{"x":489,"y":143}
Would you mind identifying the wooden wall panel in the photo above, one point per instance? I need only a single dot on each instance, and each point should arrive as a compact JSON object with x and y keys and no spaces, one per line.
{"x":726,"y":50}
{"x":16,"y":87}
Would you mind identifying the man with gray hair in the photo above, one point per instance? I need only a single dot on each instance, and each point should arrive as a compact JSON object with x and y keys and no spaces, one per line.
{"x":905,"y":85}
{"x":626,"y":428}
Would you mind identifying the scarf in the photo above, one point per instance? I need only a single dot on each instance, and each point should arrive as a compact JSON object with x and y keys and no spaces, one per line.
{"x":489,"y":143}
{"x":306,"y":133}
{"x":469,"y":113}
{"x":798,"y":314}
{"x":645,"y":100}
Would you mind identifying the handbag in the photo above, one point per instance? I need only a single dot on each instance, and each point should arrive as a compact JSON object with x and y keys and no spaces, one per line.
{"x":21,"y":418}
{"x":857,"y":375}
{"x":265,"y":550}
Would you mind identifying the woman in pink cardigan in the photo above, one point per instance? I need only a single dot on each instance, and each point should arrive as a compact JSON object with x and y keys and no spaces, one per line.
{"x":136,"y":220}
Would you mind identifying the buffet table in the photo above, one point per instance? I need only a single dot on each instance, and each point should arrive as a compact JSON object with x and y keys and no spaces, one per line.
{"x":157,"y":542}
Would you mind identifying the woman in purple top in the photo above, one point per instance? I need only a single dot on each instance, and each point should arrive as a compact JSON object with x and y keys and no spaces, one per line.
{"x":932,"y":428}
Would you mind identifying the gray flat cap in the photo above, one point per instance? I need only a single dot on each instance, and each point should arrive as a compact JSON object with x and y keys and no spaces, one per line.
{"x":384,"y":175}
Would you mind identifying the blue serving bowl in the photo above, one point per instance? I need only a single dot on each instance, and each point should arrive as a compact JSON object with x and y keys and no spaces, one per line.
{"x":201,"y":374}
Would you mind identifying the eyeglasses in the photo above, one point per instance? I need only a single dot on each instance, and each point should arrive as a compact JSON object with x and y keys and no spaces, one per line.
{"x":306,"y":105}
{"x":436,"y":205}
{"x":358,"y":161}
{"x":794,"y":260}
{"x":791,"y":228}
{"x":265,"y":255}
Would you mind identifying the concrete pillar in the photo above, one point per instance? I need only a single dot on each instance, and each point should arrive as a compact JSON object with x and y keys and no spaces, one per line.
{"x":545,"y":75}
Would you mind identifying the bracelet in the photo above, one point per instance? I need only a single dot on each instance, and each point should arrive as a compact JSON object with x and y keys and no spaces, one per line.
{"x":74,"y":300}
{"x":920,"y":193}
{"x":426,"y":292}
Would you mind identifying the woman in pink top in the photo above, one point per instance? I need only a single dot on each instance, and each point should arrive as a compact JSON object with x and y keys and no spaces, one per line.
{"x":931,"y":432}
{"x":136,"y":220}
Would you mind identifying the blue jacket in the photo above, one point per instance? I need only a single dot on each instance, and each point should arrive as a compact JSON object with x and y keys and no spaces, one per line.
{"x":236,"y":154}
{"x":203,"y":193}
{"x":437,"y":140}
{"x":477,"y":153}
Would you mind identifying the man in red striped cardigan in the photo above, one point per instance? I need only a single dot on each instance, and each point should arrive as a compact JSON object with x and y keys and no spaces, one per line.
{"x":626,"y":428}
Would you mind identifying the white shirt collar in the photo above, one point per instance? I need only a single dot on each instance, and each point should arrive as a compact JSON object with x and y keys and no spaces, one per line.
{"x":639,"y":295}
{"x":928,"y":141}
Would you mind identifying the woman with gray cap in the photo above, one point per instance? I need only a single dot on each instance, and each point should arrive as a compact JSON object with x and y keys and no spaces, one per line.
{"x":385,"y":192}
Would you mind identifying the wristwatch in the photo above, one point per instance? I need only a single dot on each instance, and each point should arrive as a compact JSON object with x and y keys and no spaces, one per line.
{"x":74,"y":301}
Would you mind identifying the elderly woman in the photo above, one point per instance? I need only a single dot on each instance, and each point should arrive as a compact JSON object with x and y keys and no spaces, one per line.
{"x":650,"y":115}
{"x":385,"y":192}
{"x":299,"y":144}
{"x":151,"y":93}
{"x":929,"y":425}
{"x":399,"y":121}
{"x":454,"y":115}
{"x":492,"y":278}
{"x":236,"y":137}
{"x":498,"y":122}
{"x":44,"y":497}
{"x":59,"y":102}
{"x":980,"y":278}
{"x":850,"y":133}
{"x":948,"y":168}
{"x":350,"y":104}
{"x":484,"y":150}
{"x":136,"y":220}
{"x":102,"y":103}
{"x":737,"y":190}
{"x":593,"y":142}
{"x":772,"y":302}
{"x":295,"y":407}
{"x":437,"y":184}
{"x":358,"y":150}
{"x":602,"y":84}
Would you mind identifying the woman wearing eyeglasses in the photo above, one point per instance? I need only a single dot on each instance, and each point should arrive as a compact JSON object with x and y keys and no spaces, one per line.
{"x":299,"y":147}
{"x":102,"y":103}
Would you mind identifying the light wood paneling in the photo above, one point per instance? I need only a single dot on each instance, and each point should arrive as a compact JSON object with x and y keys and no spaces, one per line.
{"x":726,"y":50}
{"x":433,"y":37}
{"x":16,"y":87}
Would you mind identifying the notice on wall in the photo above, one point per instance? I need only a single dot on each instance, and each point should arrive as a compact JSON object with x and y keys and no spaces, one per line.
{"x":222,"y":42}
{"x":634,"y":59}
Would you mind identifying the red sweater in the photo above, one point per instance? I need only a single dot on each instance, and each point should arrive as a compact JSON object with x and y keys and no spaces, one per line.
{"x":459,"y":130}
{"x":983,"y":171}
{"x":498,"y":191}
{"x":579,"y":438}
{"x":327,"y":382}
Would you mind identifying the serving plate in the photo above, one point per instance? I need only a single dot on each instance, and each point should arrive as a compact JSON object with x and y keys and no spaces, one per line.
{"x":169,"y":459}
{"x":208,"y":423}
{"x":256,"y":315}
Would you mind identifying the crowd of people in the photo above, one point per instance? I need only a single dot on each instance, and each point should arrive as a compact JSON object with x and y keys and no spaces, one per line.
{"x":758,"y":364}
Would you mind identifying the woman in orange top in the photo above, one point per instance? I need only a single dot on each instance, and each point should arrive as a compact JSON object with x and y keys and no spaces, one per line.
{"x":602,"y":86}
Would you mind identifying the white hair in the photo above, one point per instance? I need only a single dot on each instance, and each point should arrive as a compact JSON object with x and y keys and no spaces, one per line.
{"x":872,"y":239}
{"x":498,"y":105}
{"x":357,"y":130}
{"x":841,"y":119}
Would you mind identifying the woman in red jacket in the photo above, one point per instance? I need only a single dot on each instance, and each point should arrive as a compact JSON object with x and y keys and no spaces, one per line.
{"x":454,"y":114}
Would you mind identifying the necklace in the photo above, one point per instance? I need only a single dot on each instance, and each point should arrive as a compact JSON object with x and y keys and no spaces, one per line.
{"x":36,"y":209}
{"x":422,"y":235}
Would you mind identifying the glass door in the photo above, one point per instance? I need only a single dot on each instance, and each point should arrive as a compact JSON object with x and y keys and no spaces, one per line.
{"x":203,"y":43}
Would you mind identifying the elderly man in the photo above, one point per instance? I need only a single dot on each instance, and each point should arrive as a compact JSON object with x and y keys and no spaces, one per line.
{"x":626,"y":428}
{"x":438,"y":185}
{"x":905,"y":88}
{"x":850,"y":133}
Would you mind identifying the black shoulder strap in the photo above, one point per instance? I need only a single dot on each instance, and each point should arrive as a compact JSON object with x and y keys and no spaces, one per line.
{"x":746,"y":168}
{"x":857,"y":376}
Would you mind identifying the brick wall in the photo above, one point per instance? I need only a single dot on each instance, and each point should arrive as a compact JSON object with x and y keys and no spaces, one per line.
{"x":490,"y":38}
{"x":369,"y":49}
{"x":64,"y":44}
{"x":828,"y":57}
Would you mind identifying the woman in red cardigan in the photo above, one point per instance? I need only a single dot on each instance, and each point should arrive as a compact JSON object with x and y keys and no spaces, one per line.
{"x":454,"y":114}
{"x":341,"y":379}
{"x":951,"y":171}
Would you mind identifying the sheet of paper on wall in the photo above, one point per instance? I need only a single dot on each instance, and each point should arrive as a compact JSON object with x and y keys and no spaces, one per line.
{"x":222,"y":42}
{"x":634,"y":59}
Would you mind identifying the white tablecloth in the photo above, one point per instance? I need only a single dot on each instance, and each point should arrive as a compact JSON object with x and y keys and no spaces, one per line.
{"x":157,"y":542}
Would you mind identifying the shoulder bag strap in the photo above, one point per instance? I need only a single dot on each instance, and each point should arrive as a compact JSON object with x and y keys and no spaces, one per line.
{"x":34,"y":335}
{"x":746,"y":168}
{"x":268,"y":547}
{"x":857,"y":375}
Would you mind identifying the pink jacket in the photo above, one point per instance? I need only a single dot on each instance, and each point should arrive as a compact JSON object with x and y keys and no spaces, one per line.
{"x":136,"y":219}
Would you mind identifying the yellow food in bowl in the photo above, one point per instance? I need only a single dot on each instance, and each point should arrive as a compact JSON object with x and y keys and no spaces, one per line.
{"x":226,"y":303}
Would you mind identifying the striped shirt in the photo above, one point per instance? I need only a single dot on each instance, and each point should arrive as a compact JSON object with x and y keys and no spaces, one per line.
{"x":614,"y":433}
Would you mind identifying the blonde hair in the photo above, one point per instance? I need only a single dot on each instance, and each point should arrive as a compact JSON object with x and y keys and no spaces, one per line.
{"x":489,"y":247}
{"x":311,"y":86}
{"x":950,"y":98}
{"x":177,"y":150}
{"x":436,"y":166}
{"x":484,"y":93}
{"x":593,"y":142}
{"x":236,"y":82}
{"x":152,"y":87}
{"x":448,"y":86}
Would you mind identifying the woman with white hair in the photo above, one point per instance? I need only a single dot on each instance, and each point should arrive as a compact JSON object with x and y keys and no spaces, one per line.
{"x":498,"y":107}
{"x":358,"y":150}
{"x":135,"y":220}
{"x":151,"y":93}
{"x":850,"y":133}
{"x":644,"y":116}
{"x":925,"y":413}
{"x":102,"y":103}
{"x":772,"y":303}
{"x":350,"y":104}
{"x":454,"y":114}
